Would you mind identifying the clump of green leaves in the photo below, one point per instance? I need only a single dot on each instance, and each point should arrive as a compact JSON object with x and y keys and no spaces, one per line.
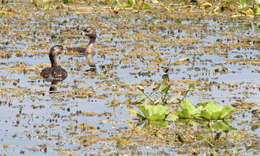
{"x":209,"y":110}
{"x":157,"y":109}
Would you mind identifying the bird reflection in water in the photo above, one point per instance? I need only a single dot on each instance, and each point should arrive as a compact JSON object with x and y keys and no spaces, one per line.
{"x":53,"y":88}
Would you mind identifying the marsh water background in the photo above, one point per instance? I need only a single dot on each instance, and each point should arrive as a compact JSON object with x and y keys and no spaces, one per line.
{"x":89,"y":111}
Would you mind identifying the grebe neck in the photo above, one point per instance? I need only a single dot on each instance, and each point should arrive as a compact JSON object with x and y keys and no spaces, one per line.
{"x":54,"y":61}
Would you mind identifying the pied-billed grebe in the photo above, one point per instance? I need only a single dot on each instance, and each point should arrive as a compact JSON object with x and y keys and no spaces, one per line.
{"x":89,"y":52}
{"x":55,"y":72}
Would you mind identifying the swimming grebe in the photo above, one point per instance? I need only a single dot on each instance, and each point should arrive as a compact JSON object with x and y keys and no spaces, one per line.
{"x":89,"y":52}
{"x":55,"y":72}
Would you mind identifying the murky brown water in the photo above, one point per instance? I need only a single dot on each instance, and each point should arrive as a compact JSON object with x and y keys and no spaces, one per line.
{"x":223,"y":61}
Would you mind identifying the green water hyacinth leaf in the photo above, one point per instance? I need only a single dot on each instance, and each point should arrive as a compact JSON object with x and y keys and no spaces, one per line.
{"x":171,"y":117}
{"x":226,"y":111}
{"x":187,"y":105}
{"x":213,"y":111}
{"x":154,"y":113}
{"x":188,"y":110}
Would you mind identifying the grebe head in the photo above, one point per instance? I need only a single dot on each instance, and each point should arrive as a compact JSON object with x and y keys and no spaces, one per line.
{"x":56,"y":50}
